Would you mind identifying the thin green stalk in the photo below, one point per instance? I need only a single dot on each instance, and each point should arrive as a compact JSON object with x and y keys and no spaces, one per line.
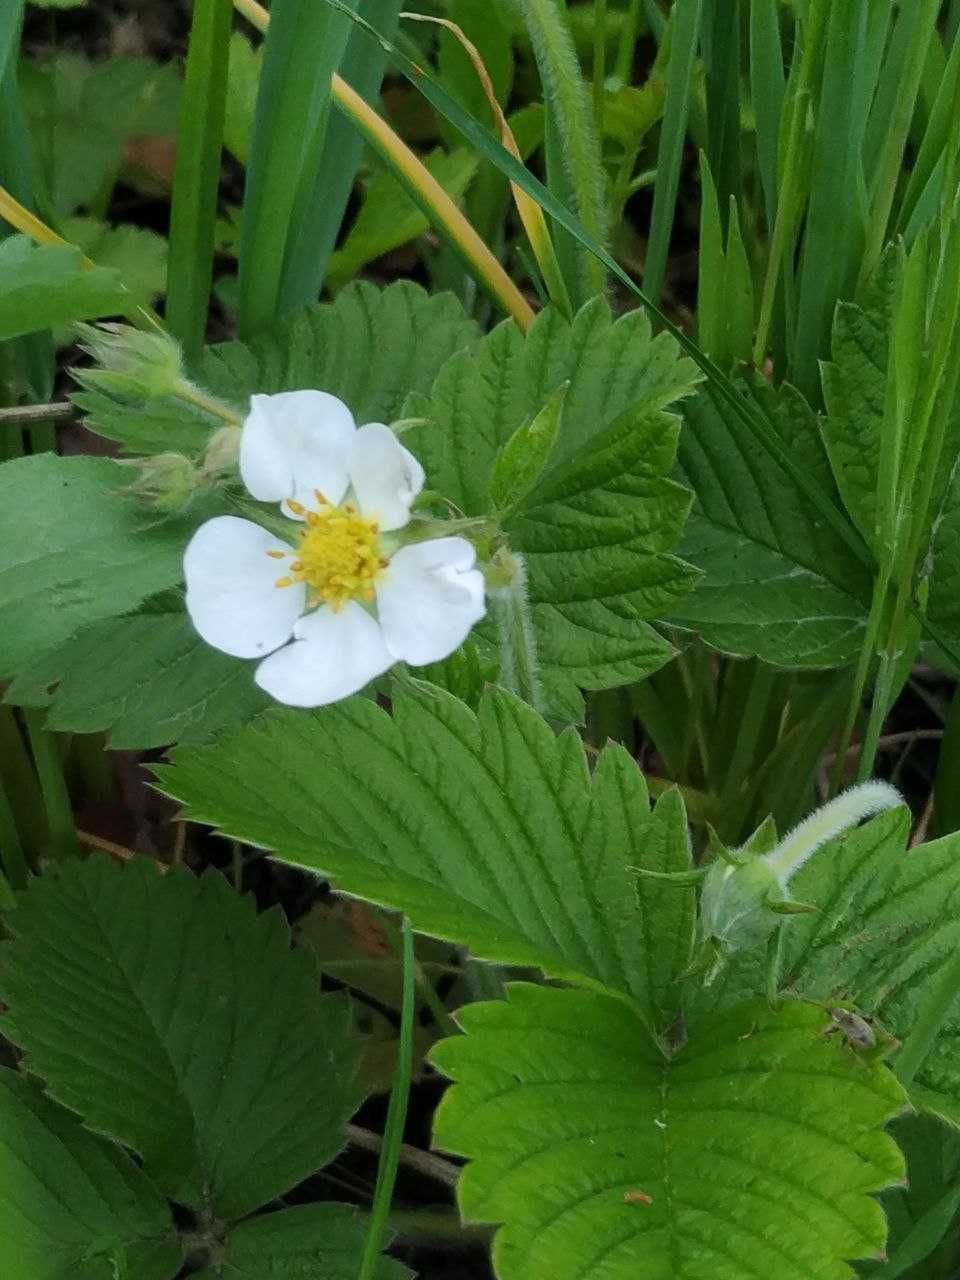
{"x":510,"y":609}
{"x":767,"y":88}
{"x":12,"y":856}
{"x":196,"y":180}
{"x":685,"y":33}
{"x":20,"y":782}
{"x":599,"y":63}
{"x":62,"y":841}
{"x":752,"y":716}
{"x":396,"y":1118}
{"x":868,"y":650}
{"x":623,"y":68}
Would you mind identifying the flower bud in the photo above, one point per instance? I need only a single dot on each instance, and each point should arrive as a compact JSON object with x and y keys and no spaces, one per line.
{"x":131,"y":361}
{"x":166,"y":481}
{"x":222,"y":456}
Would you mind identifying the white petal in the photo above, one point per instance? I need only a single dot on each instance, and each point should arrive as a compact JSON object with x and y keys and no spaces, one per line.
{"x":294,"y":444}
{"x":429,"y":599}
{"x":385,"y":476}
{"x":232,"y":598}
{"x":332,"y":656}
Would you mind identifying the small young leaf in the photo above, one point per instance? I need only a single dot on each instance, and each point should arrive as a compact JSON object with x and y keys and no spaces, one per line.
{"x":522,"y":460}
{"x":236,"y":1078}
{"x":531,"y":864}
{"x":72,"y":1205}
{"x":752,"y":1150}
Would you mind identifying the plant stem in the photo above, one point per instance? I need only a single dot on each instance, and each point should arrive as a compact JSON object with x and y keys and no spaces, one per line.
{"x":519,"y":665}
{"x":396,"y":1117}
{"x":628,"y":42}
{"x":599,"y":63}
{"x":53,"y":785}
{"x":13,"y":858}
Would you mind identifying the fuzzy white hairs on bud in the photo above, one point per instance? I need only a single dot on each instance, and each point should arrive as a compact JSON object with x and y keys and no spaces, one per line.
{"x":828,"y":822}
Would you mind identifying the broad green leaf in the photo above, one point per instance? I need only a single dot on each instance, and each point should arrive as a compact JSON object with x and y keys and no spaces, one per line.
{"x":598,"y":529}
{"x":148,"y":679}
{"x":388,"y":217}
{"x":486,"y":830}
{"x":778,"y":583}
{"x":314,"y":1240}
{"x":752,"y":1151}
{"x":171,"y":1017}
{"x":83,"y":112}
{"x":74,"y":550}
{"x":46,"y":285}
{"x":72,"y":1205}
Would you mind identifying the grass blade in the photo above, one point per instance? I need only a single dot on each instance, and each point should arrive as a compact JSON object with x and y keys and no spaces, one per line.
{"x":303,"y":49}
{"x":396,"y":1116}
{"x":196,"y":180}
{"x":318,"y":226}
{"x":767,"y":86}
{"x":574,"y":169}
{"x":720,"y":42}
{"x":685,"y":31}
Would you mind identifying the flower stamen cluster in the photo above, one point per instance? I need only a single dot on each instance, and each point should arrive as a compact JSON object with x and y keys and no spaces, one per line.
{"x":339,"y":557}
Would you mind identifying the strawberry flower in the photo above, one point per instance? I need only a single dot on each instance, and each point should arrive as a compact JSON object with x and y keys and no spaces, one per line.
{"x":344,"y":598}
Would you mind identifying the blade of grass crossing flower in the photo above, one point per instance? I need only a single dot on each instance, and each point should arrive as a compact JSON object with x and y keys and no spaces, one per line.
{"x":574,"y":168}
{"x":420,"y":184}
{"x":767,"y":87}
{"x":396,"y":1116}
{"x":196,"y":180}
{"x":685,"y":32}
{"x":318,"y":225}
{"x":304,"y":44}
{"x":530,"y":213}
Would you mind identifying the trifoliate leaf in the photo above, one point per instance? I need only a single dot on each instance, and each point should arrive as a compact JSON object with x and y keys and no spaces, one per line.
{"x":147,"y":679}
{"x":315,"y":1240}
{"x":74,"y":550}
{"x":596,"y":543}
{"x":752,"y":1151}
{"x":171,"y":1017}
{"x":388,"y":217}
{"x":486,"y":830}
{"x":82,"y":114}
{"x":42,"y":286}
{"x":72,"y":1205}
{"x":778,"y":584}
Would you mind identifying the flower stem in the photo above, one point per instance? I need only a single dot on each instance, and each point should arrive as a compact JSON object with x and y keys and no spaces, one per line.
{"x":510,"y":607}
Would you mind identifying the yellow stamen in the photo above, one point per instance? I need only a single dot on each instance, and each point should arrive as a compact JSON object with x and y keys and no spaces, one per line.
{"x":296,"y":507}
{"x":277,"y":555}
{"x":339,"y":557}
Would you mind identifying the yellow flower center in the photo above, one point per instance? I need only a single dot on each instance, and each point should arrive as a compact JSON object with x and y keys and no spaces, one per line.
{"x":339,"y":556}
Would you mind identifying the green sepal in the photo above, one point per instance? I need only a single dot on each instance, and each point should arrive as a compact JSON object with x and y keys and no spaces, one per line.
{"x":788,"y":907}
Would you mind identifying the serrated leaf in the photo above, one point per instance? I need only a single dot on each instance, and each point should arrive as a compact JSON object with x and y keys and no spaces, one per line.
{"x":42,"y":286}
{"x":389,"y":218}
{"x":82,"y":113}
{"x":778,"y":584}
{"x":148,"y":680}
{"x":522,"y":460}
{"x":74,"y":551}
{"x":309,"y":1241}
{"x":594,"y":532}
{"x":174,"y":1019}
{"x":139,"y":255}
{"x":752,"y":1152}
{"x":72,"y":1205}
{"x":530,"y":864}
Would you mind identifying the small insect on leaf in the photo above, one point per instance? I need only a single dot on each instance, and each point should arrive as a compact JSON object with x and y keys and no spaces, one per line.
{"x":857,"y":1031}
{"x":637,"y":1197}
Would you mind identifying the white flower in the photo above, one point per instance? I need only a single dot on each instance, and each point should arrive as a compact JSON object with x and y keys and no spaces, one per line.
{"x":342,"y":601}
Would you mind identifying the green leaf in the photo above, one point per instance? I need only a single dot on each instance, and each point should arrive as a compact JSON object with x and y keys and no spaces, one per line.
{"x":321,"y":1240}
{"x":751,"y":1152}
{"x":243,"y":80}
{"x":73,"y":551}
{"x":522,"y":460}
{"x":530,"y":866}
{"x":388,"y":217}
{"x":236,"y":1079}
{"x":597,"y":531}
{"x":139,"y":255}
{"x":886,"y":927}
{"x":778,"y":583}
{"x":72,"y":1205}
{"x":46,"y":285}
{"x":147,"y":679}
{"x":82,"y":113}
